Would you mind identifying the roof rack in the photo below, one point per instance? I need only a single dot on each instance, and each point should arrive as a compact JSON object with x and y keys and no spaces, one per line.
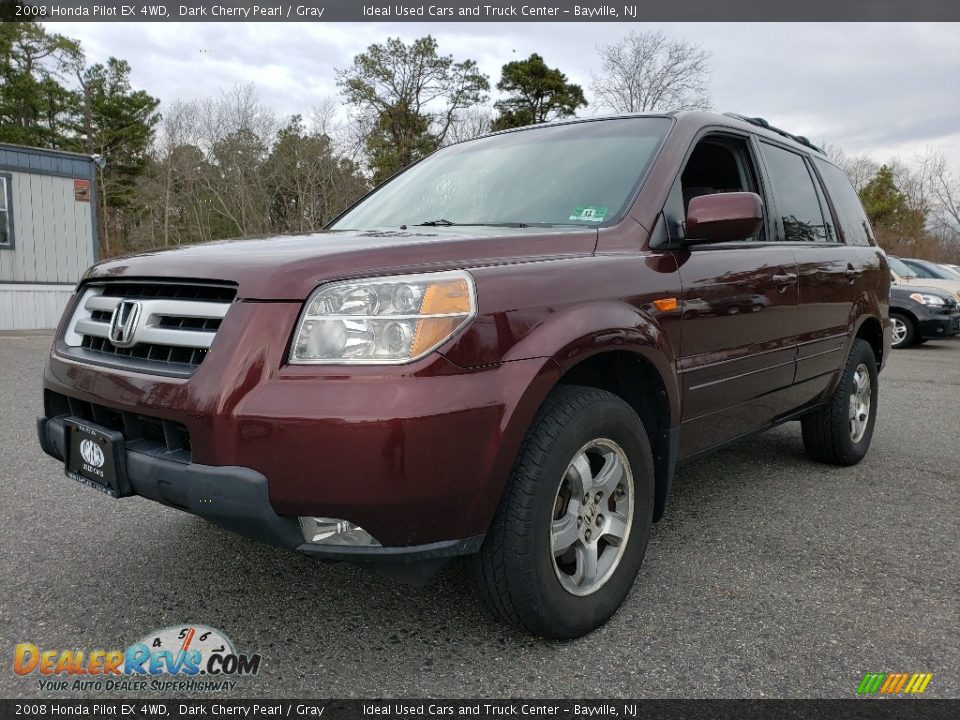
{"x":760,"y":122}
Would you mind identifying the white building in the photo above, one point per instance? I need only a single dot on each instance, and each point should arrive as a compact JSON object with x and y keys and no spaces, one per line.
{"x":48,"y":232}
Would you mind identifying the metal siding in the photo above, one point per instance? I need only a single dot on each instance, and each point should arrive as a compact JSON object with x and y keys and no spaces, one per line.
{"x":64,"y":237}
{"x":6,"y":265}
{"x":82,"y":227}
{"x":32,"y":307}
{"x":48,"y":162}
{"x":34,"y":256}
{"x":37,"y":201}
{"x":24,"y":218}
{"x":70,"y":227}
{"x":58,"y":230}
{"x":53,"y":240}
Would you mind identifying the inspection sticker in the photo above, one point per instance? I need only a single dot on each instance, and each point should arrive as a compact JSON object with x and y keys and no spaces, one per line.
{"x":590,"y":213}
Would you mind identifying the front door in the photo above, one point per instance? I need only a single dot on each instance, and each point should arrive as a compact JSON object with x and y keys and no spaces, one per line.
{"x":739,"y":324}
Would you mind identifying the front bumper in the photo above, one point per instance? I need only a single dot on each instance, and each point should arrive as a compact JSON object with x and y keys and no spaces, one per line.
{"x":939,"y":326}
{"x":415,"y":454}
{"x":237,"y":498}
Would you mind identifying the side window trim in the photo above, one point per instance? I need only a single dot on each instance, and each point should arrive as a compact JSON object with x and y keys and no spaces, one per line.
{"x":6,"y":189}
{"x":825,"y":209}
{"x":772,"y":219}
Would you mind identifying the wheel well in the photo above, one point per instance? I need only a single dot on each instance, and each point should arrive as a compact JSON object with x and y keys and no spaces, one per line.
{"x":632,"y":378}
{"x":872,"y":332}
{"x":906,"y":313}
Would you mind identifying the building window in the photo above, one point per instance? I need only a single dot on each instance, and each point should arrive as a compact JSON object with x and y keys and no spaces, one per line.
{"x":6,"y":212}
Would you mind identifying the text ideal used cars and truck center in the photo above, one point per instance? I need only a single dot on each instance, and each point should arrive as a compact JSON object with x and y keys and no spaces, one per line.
{"x":500,"y":353}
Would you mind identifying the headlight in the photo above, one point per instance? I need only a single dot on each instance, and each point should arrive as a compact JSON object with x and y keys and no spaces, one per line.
{"x":383,"y":320}
{"x":925,"y":299}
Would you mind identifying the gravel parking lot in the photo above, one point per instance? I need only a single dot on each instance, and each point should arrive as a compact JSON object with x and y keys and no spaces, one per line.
{"x":770,"y":576}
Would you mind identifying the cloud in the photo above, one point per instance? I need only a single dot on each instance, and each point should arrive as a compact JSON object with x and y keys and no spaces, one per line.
{"x":880,"y":89}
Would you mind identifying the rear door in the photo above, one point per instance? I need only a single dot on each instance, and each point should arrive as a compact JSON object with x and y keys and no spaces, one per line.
{"x":830,"y":275}
{"x":738,"y":335}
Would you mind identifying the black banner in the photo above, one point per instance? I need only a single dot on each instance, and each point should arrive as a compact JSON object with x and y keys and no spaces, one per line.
{"x":469,"y":11}
{"x":914,"y":709}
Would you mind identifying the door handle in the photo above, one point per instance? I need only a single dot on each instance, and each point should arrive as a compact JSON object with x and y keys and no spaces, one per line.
{"x":851,"y":273}
{"x":784,"y":280}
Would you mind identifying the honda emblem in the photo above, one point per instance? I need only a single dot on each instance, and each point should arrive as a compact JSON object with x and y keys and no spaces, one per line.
{"x":123,"y":324}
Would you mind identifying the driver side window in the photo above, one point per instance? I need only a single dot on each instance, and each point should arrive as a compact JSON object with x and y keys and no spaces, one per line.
{"x":716,"y":165}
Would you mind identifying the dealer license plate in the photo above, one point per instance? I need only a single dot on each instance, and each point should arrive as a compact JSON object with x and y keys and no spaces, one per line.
{"x":95,"y":457}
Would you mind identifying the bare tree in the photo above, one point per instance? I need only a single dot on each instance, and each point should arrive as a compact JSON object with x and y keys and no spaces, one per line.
{"x":470,"y":123}
{"x":237,"y":131}
{"x":649,"y":72}
{"x":859,"y":168}
{"x":943,"y":189}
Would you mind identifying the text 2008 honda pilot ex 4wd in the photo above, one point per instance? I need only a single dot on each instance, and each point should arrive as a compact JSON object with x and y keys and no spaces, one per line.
{"x":500,"y":353}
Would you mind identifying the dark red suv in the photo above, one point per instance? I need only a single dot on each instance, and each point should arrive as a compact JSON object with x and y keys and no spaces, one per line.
{"x":502,"y":352}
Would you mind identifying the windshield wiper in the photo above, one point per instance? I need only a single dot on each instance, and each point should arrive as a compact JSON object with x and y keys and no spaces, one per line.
{"x":443,"y":222}
{"x":437,"y":223}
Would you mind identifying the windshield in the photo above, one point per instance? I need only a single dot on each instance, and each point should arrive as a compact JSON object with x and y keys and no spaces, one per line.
{"x":900,"y":267}
{"x":577,"y":174}
{"x":930,"y":271}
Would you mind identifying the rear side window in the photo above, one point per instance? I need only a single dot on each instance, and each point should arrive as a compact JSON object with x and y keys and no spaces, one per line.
{"x":795,"y":195}
{"x":853,"y":221}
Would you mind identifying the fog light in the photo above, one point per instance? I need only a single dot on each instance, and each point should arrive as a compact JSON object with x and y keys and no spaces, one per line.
{"x":333,"y":531}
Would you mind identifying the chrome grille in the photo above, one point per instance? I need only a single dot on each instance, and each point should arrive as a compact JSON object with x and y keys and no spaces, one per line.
{"x":169,"y":334}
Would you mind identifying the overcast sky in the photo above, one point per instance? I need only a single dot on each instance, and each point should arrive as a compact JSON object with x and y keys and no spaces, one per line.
{"x":881,"y":89}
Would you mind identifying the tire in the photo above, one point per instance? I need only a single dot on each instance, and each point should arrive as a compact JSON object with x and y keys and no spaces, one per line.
{"x":517,"y":573}
{"x":904,"y":333}
{"x":839,"y":433}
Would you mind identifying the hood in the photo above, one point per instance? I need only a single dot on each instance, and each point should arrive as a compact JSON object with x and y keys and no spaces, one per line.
{"x":289,"y":267}
{"x":915,"y":283}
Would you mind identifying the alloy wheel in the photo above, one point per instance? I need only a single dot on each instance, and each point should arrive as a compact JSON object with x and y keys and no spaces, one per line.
{"x":860,"y":403}
{"x":592,"y":517}
{"x":899,"y":331}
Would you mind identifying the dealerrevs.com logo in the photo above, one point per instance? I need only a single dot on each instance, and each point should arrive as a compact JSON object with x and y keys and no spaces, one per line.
{"x":179,"y":658}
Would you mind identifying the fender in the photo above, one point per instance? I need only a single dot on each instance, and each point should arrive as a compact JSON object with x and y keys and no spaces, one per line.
{"x":567,"y":339}
{"x":582,"y":331}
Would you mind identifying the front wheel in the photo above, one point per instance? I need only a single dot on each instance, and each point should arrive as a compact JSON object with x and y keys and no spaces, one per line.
{"x":839,"y":433}
{"x":571,"y":530}
{"x":903,"y":331}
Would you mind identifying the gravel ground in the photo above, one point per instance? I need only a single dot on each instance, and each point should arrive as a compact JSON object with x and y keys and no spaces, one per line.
{"x":770,"y":576}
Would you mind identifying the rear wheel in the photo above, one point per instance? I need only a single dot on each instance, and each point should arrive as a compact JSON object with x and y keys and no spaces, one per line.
{"x":571,"y":530}
{"x":840,"y":432}
{"x":903,"y":331}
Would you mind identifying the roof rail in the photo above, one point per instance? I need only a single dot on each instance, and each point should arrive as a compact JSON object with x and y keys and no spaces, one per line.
{"x":760,"y":122}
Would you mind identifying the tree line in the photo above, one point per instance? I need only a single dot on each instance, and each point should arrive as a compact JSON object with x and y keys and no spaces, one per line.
{"x":228,"y":166}
{"x":914,"y":209}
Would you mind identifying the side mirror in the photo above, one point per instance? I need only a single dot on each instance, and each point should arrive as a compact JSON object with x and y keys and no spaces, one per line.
{"x":723,"y":217}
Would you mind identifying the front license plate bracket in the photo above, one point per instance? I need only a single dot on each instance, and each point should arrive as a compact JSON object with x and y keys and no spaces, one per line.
{"x":96,"y":457}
